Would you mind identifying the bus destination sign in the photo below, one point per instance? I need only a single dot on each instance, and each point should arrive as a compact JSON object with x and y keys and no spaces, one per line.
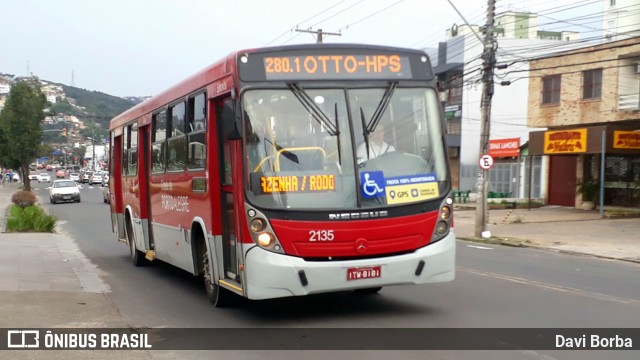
{"x":379,"y":66}
{"x":296,"y":183}
{"x":334,"y":64}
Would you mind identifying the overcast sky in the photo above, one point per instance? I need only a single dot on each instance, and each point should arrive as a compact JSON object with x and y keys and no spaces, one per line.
{"x":141,"y":47}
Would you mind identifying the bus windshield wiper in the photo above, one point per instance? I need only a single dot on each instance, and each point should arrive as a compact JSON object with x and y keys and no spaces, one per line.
{"x":382,"y":106}
{"x":312,"y":108}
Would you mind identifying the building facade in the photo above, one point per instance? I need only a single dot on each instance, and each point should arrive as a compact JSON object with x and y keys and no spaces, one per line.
{"x":457,"y":64}
{"x":589,"y":101}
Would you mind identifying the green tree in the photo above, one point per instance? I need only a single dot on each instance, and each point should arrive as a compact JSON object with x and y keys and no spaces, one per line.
{"x":20,"y":132}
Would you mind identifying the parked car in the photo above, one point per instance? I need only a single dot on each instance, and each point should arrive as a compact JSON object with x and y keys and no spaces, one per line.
{"x":44,"y":177}
{"x":60,"y":174}
{"x":105,"y":179}
{"x":64,"y":190}
{"x":74,"y":177}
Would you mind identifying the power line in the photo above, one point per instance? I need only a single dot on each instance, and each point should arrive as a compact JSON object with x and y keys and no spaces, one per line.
{"x":305,"y":20}
{"x":370,"y":15}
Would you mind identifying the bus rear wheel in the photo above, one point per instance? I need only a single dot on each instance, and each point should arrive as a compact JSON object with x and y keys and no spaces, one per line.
{"x":137,"y":257}
{"x":217,"y":296}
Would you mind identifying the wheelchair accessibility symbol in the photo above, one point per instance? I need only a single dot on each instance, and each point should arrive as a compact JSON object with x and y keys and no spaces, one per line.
{"x":372,"y":183}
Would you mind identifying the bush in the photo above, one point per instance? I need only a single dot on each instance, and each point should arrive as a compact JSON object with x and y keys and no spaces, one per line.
{"x":30,"y":218}
{"x":24,"y":198}
{"x":589,"y":190}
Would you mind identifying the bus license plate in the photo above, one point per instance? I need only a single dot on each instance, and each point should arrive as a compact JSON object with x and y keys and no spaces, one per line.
{"x":363,"y":273}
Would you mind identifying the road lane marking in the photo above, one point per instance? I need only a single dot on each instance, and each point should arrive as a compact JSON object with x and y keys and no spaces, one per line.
{"x":480,"y":247}
{"x":547,"y":286}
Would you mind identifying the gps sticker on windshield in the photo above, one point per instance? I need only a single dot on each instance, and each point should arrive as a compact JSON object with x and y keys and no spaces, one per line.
{"x":372,"y":184}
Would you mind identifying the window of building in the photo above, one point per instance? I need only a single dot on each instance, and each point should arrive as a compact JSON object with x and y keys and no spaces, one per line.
{"x":455,"y":89}
{"x":592,"y":84}
{"x":551,"y":89}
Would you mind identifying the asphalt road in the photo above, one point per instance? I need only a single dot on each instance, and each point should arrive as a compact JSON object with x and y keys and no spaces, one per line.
{"x":495,"y":287}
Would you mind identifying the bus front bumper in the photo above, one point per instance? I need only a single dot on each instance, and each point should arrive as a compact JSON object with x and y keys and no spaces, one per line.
{"x":271,"y":275}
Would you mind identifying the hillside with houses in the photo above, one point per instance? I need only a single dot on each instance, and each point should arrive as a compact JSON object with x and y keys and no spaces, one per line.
{"x":76,"y":118}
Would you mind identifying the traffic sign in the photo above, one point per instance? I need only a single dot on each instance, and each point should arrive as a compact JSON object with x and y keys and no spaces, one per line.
{"x":486,"y":162}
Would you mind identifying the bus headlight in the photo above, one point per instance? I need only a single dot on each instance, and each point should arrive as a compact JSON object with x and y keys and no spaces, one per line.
{"x":445,"y":220}
{"x":445,"y":213}
{"x":257,"y":225}
{"x":265,"y":239}
{"x":442,"y":228}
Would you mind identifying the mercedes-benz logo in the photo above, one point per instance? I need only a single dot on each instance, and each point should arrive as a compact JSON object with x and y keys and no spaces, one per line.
{"x":361,"y":246}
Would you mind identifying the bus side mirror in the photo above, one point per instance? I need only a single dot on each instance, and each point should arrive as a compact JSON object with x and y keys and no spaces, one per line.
{"x":231,"y":120}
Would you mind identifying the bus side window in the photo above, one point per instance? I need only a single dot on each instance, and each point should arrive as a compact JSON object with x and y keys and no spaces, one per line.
{"x":197,"y":111}
{"x":158,"y":149}
{"x":196,"y":119}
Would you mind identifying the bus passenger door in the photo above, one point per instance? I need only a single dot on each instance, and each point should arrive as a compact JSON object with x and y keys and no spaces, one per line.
{"x":230,"y":193}
{"x":115,"y":186}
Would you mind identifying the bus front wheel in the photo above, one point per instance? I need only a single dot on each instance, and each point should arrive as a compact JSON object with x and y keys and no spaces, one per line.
{"x":217,"y":296}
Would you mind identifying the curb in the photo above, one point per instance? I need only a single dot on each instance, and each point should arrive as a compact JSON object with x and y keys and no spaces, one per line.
{"x":528,"y":244}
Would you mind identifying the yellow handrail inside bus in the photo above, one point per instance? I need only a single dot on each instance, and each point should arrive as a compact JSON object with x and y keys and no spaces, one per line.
{"x":262,"y":162}
{"x":298,"y":150}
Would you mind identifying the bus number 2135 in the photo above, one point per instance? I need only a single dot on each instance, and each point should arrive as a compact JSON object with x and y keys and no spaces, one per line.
{"x":320,"y":235}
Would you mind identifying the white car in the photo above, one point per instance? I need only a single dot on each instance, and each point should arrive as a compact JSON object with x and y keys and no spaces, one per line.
{"x":44,"y":177}
{"x":96,"y":178}
{"x":33,"y":176}
{"x":64,"y":190}
{"x":74,"y":177}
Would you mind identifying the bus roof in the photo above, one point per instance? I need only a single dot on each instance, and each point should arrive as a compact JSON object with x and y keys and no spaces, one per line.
{"x":227,"y":66}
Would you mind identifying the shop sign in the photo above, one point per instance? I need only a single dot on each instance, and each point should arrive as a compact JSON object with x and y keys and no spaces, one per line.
{"x":565,"y":141}
{"x":504,"y":147}
{"x":451,"y":111}
{"x":626,"y":139}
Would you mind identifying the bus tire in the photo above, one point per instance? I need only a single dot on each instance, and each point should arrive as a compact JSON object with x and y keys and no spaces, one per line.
{"x":218,"y":297}
{"x":368,"y":291}
{"x":136,"y":256}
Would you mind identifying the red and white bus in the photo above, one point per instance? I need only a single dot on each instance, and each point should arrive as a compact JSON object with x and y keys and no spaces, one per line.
{"x":289,"y":171}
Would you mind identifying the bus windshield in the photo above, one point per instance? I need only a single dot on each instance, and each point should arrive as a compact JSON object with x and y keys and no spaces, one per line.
{"x":343,"y":149}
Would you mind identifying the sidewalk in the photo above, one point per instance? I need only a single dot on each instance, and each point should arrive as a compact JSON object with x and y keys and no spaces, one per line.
{"x":557,"y":228}
{"x":47,"y":282}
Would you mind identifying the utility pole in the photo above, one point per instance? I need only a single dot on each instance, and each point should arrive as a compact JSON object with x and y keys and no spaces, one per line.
{"x":489,"y":59}
{"x":93,"y":144}
{"x":319,"y":33}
